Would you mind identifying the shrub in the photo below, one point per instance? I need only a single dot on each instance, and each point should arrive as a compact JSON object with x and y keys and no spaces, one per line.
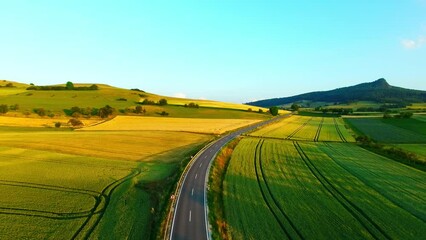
{"x":164,"y":113}
{"x":58,"y":125}
{"x":260,"y":110}
{"x":4,"y":108}
{"x":14,"y":107}
{"x":162,"y":102}
{"x":75,"y":122}
{"x":146,"y":101}
{"x":249,"y":110}
{"x":122,"y":99}
{"x":40,"y":111}
{"x":139,"y":109}
{"x":191,"y":105}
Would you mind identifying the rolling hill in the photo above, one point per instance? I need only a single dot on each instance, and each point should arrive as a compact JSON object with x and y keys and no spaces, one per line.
{"x":376,"y":91}
{"x":57,"y":102}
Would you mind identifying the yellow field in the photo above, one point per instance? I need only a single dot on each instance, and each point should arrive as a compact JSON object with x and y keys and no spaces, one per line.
{"x":215,"y":126}
{"x":124,"y":145}
{"x":39,"y":122}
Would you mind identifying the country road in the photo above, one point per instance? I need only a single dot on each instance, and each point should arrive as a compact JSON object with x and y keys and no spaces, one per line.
{"x":190,"y":220}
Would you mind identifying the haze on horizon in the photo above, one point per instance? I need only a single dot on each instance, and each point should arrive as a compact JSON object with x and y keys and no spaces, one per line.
{"x":235,"y":51}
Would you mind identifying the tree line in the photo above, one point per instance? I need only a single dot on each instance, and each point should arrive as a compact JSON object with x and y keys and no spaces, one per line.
{"x":68,"y":86}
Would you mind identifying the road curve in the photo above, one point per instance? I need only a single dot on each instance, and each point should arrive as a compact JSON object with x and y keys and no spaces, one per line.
{"x":190,"y":219}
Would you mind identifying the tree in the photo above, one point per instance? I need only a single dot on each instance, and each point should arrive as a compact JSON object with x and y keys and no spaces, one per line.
{"x":70,"y":86}
{"x":295,"y":107}
{"x":4,"y":108}
{"x":75,"y":122}
{"x":139,"y":109}
{"x":58,"y":124}
{"x":162,"y":102}
{"x":40,"y":111}
{"x":273,"y":110}
{"x":106,"y":111}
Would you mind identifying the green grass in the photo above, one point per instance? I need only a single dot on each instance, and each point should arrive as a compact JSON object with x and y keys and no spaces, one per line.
{"x":277,"y":189}
{"x":61,"y":184}
{"x":418,"y":149}
{"x":307,"y":129}
{"x":421,"y":117}
{"x":410,"y":124}
{"x":388,"y":132}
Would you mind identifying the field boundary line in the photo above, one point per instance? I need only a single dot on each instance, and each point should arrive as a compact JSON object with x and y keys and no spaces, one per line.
{"x":355,"y":211}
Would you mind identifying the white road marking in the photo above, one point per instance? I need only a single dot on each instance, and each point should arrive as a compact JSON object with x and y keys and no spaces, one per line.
{"x":196,"y":175}
{"x":190,"y":213}
{"x":192,"y":192}
{"x":201,"y":164}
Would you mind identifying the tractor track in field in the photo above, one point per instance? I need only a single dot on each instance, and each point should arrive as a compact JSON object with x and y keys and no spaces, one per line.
{"x":374,"y":188}
{"x":107,"y":193}
{"x":298,"y":129}
{"x":339,"y":132}
{"x":317,"y":134}
{"x":372,"y":227}
{"x":101,"y":199}
{"x":48,"y":214}
{"x":294,"y":119}
{"x":274,"y":204}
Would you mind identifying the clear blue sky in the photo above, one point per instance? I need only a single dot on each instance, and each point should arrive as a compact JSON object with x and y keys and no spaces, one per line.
{"x":223,"y":50}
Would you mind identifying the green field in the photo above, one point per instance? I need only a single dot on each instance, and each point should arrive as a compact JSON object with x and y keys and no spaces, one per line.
{"x":391,"y":130}
{"x":420,"y":117}
{"x":277,"y":189}
{"x":307,"y":129}
{"x":99,"y":185}
{"x":418,"y":149}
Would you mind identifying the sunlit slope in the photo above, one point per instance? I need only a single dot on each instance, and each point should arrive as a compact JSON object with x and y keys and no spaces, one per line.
{"x":120,"y":99}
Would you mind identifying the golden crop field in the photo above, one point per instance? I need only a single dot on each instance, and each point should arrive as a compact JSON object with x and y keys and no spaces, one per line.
{"x":123,"y":145}
{"x":214,"y":126}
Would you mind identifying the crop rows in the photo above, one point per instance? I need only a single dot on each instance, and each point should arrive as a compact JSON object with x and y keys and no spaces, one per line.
{"x":388,"y":132}
{"x":321,"y":190}
{"x":306,"y":129}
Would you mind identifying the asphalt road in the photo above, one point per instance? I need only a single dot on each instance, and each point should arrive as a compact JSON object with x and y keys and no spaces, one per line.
{"x":189,"y":220}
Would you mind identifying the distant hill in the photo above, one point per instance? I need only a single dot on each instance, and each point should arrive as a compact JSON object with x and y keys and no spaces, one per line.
{"x":377,"y":91}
